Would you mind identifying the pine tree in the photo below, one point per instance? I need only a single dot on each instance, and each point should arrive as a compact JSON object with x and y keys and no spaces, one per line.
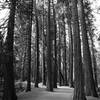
{"x":29,"y":31}
{"x":55,"y":48}
{"x":68,"y":8}
{"x":79,"y":86}
{"x":9,"y":88}
{"x":37,"y":49}
{"x":44,"y":49}
{"x":90,"y":29}
{"x":89,"y":81}
{"x":59,"y":56}
{"x":49,"y":54}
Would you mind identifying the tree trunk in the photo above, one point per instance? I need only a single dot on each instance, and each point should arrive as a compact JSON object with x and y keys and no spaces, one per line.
{"x":55,"y":49}
{"x":29,"y":31}
{"x":89,"y":81}
{"x":23,"y":66}
{"x":49,"y":55}
{"x":44,"y":66}
{"x":44,"y":63}
{"x":9,"y":88}
{"x":94,"y":63}
{"x":59,"y":57}
{"x":65,"y":47}
{"x":70,"y":56}
{"x":70,"y":44}
{"x":37,"y":51}
{"x":79,"y":86}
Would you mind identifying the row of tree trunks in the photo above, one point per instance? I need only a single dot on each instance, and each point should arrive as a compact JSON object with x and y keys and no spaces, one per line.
{"x":74,"y":47}
{"x":62,"y":77}
{"x":50,"y":45}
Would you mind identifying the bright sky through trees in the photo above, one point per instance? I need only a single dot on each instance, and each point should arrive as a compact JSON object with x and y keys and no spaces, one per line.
{"x":95,"y":4}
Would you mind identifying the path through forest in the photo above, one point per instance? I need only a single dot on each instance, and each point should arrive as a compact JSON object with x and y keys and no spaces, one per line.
{"x":42,"y":94}
{"x":62,"y":93}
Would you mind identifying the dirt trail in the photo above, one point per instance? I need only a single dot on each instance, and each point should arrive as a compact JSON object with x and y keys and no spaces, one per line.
{"x":61,"y":93}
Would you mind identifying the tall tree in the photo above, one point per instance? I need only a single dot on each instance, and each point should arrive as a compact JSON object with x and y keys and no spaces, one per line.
{"x":55,"y":48}
{"x":29,"y":31}
{"x":79,"y":86}
{"x":44,"y":49}
{"x":59,"y":55}
{"x":49,"y":54}
{"x":68,"y":15}
{"x":37,"y":48}
{"x":68,"y":8}
{"x":65,"y":47}
{"x":9,"y":89}
{"x":90,"y":29}
{"x":94,"y":63}
{"x":23,"y":62}
{"x":89,"y":80}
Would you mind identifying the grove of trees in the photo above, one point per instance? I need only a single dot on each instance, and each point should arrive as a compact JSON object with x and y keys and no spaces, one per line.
{"x":50,"y":42}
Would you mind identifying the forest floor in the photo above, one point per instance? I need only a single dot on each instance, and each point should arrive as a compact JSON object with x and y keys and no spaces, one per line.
{"x":61,"y":93}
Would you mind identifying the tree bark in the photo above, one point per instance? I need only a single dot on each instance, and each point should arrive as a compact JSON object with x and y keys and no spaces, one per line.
{"x":23,"y":66}
{"x":64,"y":59}
{"x":9,"y":87}
{"x":37,"y":50}
{"x":29,"y":31}
{"x":94,"y":63}
{"x":70,"y":43}
{"x":89,"y":81}
{"x":79,"y":86}
{"x":59,"y":57}
{"x":49,"y":54}
{"x":70,"y":56}
{"x":55,"y":48}
{"x":44,"y":63}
